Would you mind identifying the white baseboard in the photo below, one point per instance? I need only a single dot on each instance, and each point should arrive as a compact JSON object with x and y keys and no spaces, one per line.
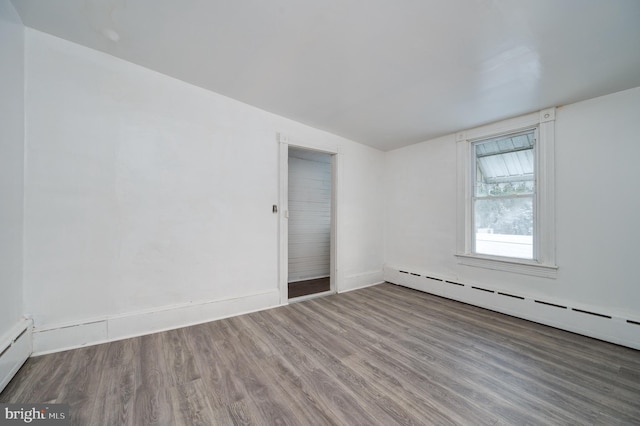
{"x":566,"y":315}
{"x":357,"y":281}
{"x":70,"y":336}
{"x":15,"y":349}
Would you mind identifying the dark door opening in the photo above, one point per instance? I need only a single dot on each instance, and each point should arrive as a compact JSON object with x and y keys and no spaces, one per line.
{"x":309,"y":222}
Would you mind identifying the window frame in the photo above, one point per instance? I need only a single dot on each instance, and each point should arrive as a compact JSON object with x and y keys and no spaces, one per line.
{"x":544,"y":262}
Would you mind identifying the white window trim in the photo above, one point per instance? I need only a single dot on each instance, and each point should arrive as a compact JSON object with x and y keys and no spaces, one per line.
{"x":544,"y":238}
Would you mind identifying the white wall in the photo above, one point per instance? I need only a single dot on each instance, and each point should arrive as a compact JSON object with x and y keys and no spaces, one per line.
{"x":148,"y":200}
{"x":360,"y":217}
{"x":598,"y":230}
{"x":11,"y":166}
{"x":309,"y":221}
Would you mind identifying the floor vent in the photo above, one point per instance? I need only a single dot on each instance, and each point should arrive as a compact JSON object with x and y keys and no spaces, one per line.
{"x":591,"y":313}
{"x":482,"y":289}
{"x":550,"y":304}
{"x":511,"y":295}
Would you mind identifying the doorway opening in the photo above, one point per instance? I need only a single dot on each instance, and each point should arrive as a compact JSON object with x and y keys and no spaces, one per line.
{"x":310,"y":223}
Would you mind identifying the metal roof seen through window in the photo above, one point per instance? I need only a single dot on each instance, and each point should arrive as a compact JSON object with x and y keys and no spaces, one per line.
{"x":506,"y":158}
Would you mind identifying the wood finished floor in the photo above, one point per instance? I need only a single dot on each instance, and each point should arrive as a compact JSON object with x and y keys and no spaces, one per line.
{"x":378,"y":356}
{"x":305,"y":288}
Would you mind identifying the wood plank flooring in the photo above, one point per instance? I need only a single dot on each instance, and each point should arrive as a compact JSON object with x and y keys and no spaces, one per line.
{"x":382,"y":355}
{"x":305,"y":288}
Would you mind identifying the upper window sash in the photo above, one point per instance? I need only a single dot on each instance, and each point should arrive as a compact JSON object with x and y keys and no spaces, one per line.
{"x":495,"y":163}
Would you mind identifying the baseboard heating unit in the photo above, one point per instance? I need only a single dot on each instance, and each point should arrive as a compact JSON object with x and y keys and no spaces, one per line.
{"x":15,"y":349}
{"x":586,"y":320}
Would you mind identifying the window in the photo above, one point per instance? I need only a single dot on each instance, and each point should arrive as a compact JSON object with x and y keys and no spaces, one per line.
{"x":506,"y":197}
{"x":503,"y":195}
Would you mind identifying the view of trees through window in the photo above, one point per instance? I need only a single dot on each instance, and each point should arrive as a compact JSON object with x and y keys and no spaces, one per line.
{"x":503,"y":208}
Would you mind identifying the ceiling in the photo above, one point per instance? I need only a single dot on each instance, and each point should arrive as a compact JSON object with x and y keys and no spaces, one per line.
{"x":384,"y":73}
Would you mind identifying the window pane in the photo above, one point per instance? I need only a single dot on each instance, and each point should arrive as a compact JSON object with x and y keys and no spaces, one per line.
{"x":504,"y":227}
{"x":505,"y":165}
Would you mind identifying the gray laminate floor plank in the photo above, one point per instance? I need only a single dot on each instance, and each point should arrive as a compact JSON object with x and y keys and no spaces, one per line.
{"x":432,"y":384}
{"x":571,"y":379}
{"x":380,"y":355}
{"x":495,"y":367}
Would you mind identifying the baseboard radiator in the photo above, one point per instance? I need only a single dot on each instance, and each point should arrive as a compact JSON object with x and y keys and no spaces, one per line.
{"x":15,"y":349}
{"x":585,"y":320}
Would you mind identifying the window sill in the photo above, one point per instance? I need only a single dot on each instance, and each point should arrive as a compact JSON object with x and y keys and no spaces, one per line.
{"x":509,"y":265}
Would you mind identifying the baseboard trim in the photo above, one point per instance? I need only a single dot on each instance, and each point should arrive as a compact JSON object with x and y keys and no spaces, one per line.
{"x":363,"y":286}
{"x":566,"y":315}
{"x":117,"y":327}
{"x":362,"y":280}
{"x":15,"y":349}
